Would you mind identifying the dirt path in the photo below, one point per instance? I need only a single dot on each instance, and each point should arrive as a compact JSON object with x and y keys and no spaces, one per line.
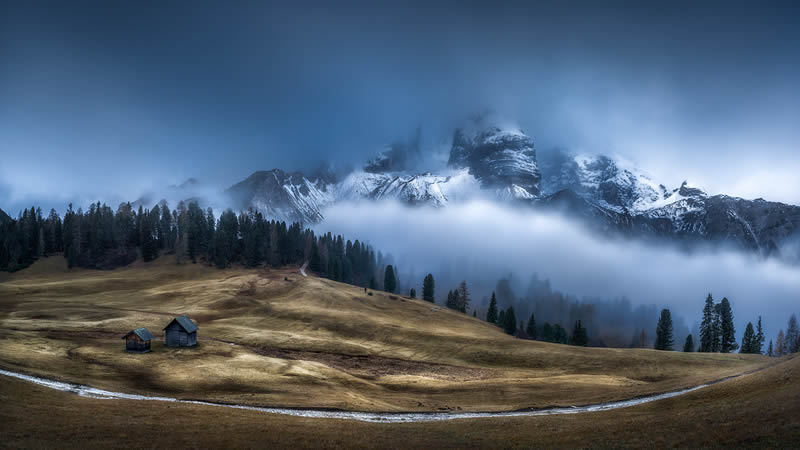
{"x":303,"y":269}
{"x":90,"y":392}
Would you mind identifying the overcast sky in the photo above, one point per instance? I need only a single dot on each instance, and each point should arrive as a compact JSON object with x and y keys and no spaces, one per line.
{"x":102,"y":98}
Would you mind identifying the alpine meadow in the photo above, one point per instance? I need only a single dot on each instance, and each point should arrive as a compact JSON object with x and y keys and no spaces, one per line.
{"x":399,"y":225}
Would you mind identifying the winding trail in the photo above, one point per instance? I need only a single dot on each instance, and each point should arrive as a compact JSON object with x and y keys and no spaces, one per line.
{"x":387,"y":417}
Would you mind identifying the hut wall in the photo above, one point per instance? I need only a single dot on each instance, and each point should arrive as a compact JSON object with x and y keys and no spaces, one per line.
{"x":134,"y":344}
{"x":176,"y":336}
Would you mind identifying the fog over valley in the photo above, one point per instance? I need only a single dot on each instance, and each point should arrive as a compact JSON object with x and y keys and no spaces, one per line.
{"x":482,"y":242}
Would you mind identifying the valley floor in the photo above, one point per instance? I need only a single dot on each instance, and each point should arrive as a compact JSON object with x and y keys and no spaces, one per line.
{"x":276,"y":338}
{"x":755,"y":410}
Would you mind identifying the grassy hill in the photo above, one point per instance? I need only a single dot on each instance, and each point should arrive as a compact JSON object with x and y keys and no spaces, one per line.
{"x":757,"y":410}
{"x":273,"y":337}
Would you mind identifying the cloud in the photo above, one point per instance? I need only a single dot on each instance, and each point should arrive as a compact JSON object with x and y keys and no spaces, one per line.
{"x":482,"y":242}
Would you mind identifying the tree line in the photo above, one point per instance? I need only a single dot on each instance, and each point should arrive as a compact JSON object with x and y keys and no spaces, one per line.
{"x":101,"y":238}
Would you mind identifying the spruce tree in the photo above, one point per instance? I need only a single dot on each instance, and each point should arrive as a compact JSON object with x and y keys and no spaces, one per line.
{"x":510,"y":321}
{"x":531,"y":328}
{"x":769,"y":349}
{"x":759,"y":337}
{"x":547,"y":332}
{"x":707,"y":326}
{"x":463,"y":297}
{"x":501,"y":319}
{"x":664,"y":339}
{"x":491,"y":314}
{"x":579,"y":335}
{"x":792,"y":339}
{"x":389,"y":280}
{"x":688,"y":346}
{"x":727,"y":331}
{"x":413,"y":293}
{"x":428,"y":288}
{"x":559,"y":334}
{"x":748,"y":339}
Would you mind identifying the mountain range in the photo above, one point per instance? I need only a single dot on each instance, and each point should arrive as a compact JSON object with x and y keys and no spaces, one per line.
{"x":608,"y":193}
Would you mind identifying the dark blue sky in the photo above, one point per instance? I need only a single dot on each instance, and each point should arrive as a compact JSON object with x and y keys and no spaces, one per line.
{"x":101,"y":98}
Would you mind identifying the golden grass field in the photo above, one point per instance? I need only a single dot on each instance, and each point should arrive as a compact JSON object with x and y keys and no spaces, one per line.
{"x":311,"y":342}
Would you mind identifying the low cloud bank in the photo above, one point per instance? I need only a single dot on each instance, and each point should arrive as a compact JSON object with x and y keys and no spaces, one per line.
{"x":482,"y":242}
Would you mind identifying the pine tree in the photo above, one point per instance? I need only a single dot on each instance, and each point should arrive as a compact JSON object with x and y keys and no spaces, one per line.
{"x":389,"y":280}
{"x":501,"y":319}
{"x":531,"y":329}
{"x":510,"y":321}
{"x":664,"y":339}
{"x":413,"y":293}
{"x":688,"y":346}
{"x":428,"y":288}
{"x":491,"y":314}
{"x":769,"y":349}
{"x":707,"y":326}
{"x":792,"y":339}
{"x":727,"y":331}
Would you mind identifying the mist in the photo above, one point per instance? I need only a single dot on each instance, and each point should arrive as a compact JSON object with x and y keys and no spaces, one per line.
{"x":483,"y":242}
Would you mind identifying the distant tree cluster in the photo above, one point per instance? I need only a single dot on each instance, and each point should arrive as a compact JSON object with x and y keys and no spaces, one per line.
{"x":717,"y":333}
{"x":103,"y":239}
{"x":753,"y":338}
{"x":787,"y":342}
{"x":507,"y":320}
{"x":459,"y":299}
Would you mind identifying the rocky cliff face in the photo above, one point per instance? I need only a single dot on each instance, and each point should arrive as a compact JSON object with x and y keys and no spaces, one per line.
{"x":502,"y":160}
{"x":609,"y":194}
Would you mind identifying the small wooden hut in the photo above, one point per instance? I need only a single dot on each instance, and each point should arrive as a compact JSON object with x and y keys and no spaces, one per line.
{"x":180,"y":332}
{"x":138,"y":340}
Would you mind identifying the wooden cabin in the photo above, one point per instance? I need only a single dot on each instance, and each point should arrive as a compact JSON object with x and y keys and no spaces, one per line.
{"x":180,"y":332}
{"x":138,"y":340}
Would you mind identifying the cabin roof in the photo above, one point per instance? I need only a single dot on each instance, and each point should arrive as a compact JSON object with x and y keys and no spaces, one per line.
{"x":143,"y":333}
{"x":185,"y":323}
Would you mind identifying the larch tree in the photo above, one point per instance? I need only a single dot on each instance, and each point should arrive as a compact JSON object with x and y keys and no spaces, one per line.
{"x":780,"y":344}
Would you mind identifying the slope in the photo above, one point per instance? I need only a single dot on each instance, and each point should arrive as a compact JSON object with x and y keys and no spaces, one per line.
{"x":273,"y":337}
